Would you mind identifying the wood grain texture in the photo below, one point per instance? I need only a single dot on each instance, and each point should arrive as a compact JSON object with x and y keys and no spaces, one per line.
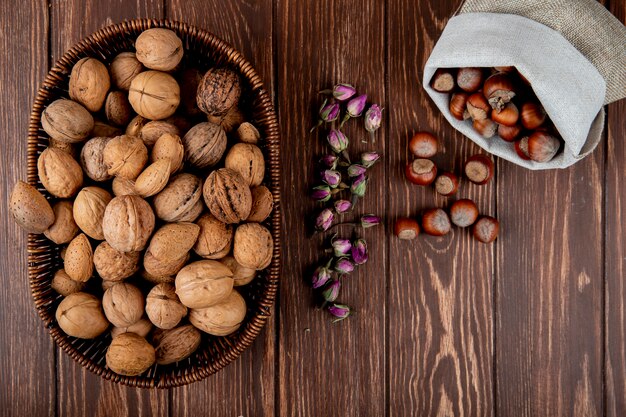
{"x":246,"y":386}
{"x":27,"y":361}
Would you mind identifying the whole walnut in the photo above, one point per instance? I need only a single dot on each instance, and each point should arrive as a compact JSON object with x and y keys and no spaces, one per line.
{"x":141,"y":328}
{"x":241,"y":274}
{"x":117,"y":108}
{"x":123,"y":304}
{"x":262,"y":204}
{"x":129,"y":354}
{"x":179,"y":199}
{"x":30,"y":209}
{"x":248,"y":161}
{"x":173,"y":240}
{"x":154,"y":95}
{"x":247,"y":133}
{"x":163,"y":307}
{"x":159,"y":49}
{"x":227,"y":196}
{"x":123,"y":186}
{"x":59,"y":173}
{"x":88,"y":210}
{"x":102,"y":129}
{"x":169,"y":147}
{"x":218,"y":91}
{"x":123,"y":69}
{"x":189,"y":80}
{"x":229,"y":121}
{"x":92,"y":159}
{"x":253,"y":246}
{"x":80,"y":315}
{"x":89,"y":83}
{"x":153,"y":179}
{"x":215,"y":238}
{"x":135,"y":125}
{"x":162,"y":269}
{"x":64,"y":227}
{"x":67,"y":121}
{"x":78,"y":261}
{"x":153,"y":130}
{"x":125,"y":156}
{"x":176,"y":344}
{"x":64,"y":285}
{"x":220,"y":319}
{"x":113,"y":265}
{"x":203,"y":283}
{"x":158,"y":279}
{"x":205,"y":144}
{"x":128,"y":223}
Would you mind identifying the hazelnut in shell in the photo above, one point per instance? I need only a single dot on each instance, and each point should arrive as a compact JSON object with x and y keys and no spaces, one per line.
{"x":128,"y":223}
{"x":67,"y":121}
{"x":241,"y":274}
{"x":179,"y":200}
{"x":163,"y":307}
{"x":262,"y":204}
{"x":89,"y":209}
{"x":123,"y":304}
{"x":30,"y":209}
{"x":169,"y":147}
{"x":125,"y":156}
{"x":215,"y":238}
{"x":64,"y":285}
{"x":123,"y":69}
{"x":78,"y":261}
{"x":92,"y":159}
{"x":227,"y":196}
{"x":221,"y":319}
{"x":159,"y":49}
{"x":129,"y":354}
{"x":142,"y":328}
{"x":154,"y":95}
{"x":219,"y":90}
{"x":253,"y":246}
{"x":176,"y":344}
{"x":64,"y":227}
{"x":89,"y":83}
{"x":113,"y":265}
{"x":80,"y":315}
{"x":59,"y":173}
{"x":203,"y":283}
{"x":248,"y":161}
{"x":205,"y":144}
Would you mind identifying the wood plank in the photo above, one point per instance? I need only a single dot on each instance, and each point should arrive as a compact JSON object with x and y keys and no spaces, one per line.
{"x":440,"y":289}
{"x":327,"y":369}
{"x":27,"y":374}
{"x":246,"y":386}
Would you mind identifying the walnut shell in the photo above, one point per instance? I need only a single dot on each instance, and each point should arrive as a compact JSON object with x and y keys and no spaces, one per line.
{"x":64,"y":285}
{"x":92,"y":159}
{"x":78,"y":262}
{"x":247,"y":133}
{"x":176,"y":344}
{"x":215,"y":237}
{"x":89,"y":83}
{"x":227,"y":196}
{"x":218,"y":91}
{"x":123,"y":69}
{"x":161,"y":270}
{"x":80,"y":315}
{"x":158,"y":279}
{"x":220,"y":319}
{"x":152,"y":131}
{"x":88,"y":211}
{"x":101,"y":129}
{"x":122,"y":186}
{"x":59,"y":173}
{"x":123,"y":304}
{"x":262,"y":204}
{"x":230,"y":121}
{"x":241,"y":274}
{"x":189,"y":81}
{"x":135,"y":125}
{"x":67,"y":121}
{"x":154,"y":178}
{"x":253,"y":246}
{"x":205,"y":144}
{"x":169,"y":147}
{"x":203,"y":283}
{"x":178,"y":198}
{"x":64,"y":228}
{"x":125,"y":156}
{"x":159,"y":49}
{"x":248,"y":161}
{"x":154,"y":95}
{"x":141,"y":328}
{"x":163,"y":307}
{"x":113,"y":265}
{"x":117,"y":108}
{"x":173,"y":240}
{"x":129,"y":354}
{"x":30,"y":209}
{"x":128,"y":223}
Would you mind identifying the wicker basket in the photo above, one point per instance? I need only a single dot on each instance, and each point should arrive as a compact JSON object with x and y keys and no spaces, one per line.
{"x":204,"y":50}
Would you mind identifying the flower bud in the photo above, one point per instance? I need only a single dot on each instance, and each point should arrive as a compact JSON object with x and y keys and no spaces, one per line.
{"x":331,"y":292}
{"x":356,"y":106}
{"x":324,"y":220}
{"x":329,"y":112}
{"x":320,"y":276}
{"x":331,"y":177}
{"x":343,"y":91}
{"x":341,"y":206}
{"x":355,"y":170}
{"x":359,"y":186}
{"x":337,"y":140}
{"x":369,"y":158}
{"x":373,"y":118}
{"x":321,"y":193}
{"x":339,"y":311}
{"x":344,"y":266}
{"x":329,"y":161}
{"x":359,"y":252}
{"x":369,"y":220}
{"x":341,"y":247}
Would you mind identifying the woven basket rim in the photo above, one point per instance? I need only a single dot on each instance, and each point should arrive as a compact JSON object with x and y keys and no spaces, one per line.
{"x":267,"y":122}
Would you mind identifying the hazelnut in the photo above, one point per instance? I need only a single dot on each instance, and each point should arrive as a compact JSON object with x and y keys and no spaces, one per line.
{"x":486,"y":229}
{"x":219,"y":90}
{"x":153,"y":130}
{"x":423,"y":145}
{"x":421,"y":171}
{"x":221,"y":319}
{"x":176,"y":344}
{"x":230,"y":121}
{"x":67,"y":121}
{"x":247,"y":160}
{"x":443,"y":80}
{"x":469,"y":79}
{"x":406,"y":229}
{"x":247,"y":133}
{"x":542,"y":146}
{"x":532,"y":115}
{"x":125,"y":156}
{"x":509,"y":133}
{"x":141,"y":328}
{"x":129,"y":354}
{"x":154,"y":95}
{"x":478,"y":107}
{"x":159,"y":49}
{"x":458,"y":105}
{"x":64,"y":285}
{"x":89,"y":209}
{"x":463,"y":213}
{"x":508,"y":116}
{"x":215,"y":238}
{"x":253,"y":246}
{"x":163,"y":307}
{"x":485,"y":127}
{"x":173,"y":240}
{"x":479,"y":169}
{"x":123,"y":69}
{"x":92,"y":159}
{"x":241,"y":274}
{"x":227,"y":196}
{"x":123,"y":186}
{"x":78,"y":261}
{"x":64,"y":227}
{"x":30,"y":209}
{"x":521,"y":148}
{"x":154,"y":178}
{"x":160,"y":270}
{"x":189,"y":81}
{"x":135,"y":125}
{"x":117,"y":108}
{"x":203,"y":283}
{"x":205,"y":144}
{"x":80,"y":315}
{"x":113,"y":265}
{"x":262,"y":204}
{"x":169,"y":147}
{"x":123,"y":304}
{"x":59,"y":173}
{"x":128,"y":223}
{"x":179,"y":199}
{"x":435,"y":222}
{"x":89,"y":83}
{"x":499,"y":90}
{"x":447,"y":184}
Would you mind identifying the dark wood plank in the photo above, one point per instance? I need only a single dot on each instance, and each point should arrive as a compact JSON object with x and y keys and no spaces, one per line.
{"x":27,"y":361}
{"x":246,"y":386}
{"x":440,"y":289}
{"x":328,"y":369}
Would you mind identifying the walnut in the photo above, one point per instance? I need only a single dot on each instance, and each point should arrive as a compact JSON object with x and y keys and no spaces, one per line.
{"x":227,"y":196}
{"x":158,"y":279}
{"x":67,"y":121}
{"x":141,"y":328}
{"x":163,"y":307}
{"x":101,"y":129}
{"x":123,"y":304}
{"x":173,"y":240}
{"x":80,"y":315}
{"x":154,"y":178}
{"x":178,"y":199}
{"x":30,"y":209}
{"x":123,"y":186}
{"x":253,"y":246}
{"x":215,"y":238}
{"x":70,"y":148}
{"x":117,"y":108}
{"x":203,"y":283}
{"x":248,"y":161}
{"x":128,"y":223}
{"x":220,"y":319}
{"x":129,"y":354}
{"x":189,"y":80}
{"x":89,"y":209}
{"x":154,"y":95}
{"x":59,"y":173}
{"x":64,"y":285}
{"x":92,"y":159}
{"x":113,"y":265}
{"x":152,"y":131}
{"x":205,"y":144}
{"x":89,"y":83}
{"x":159,"y":49}
{"x":262,"y":204}
{"x":218,"y":91}
{"x":78,"y":262}
{"x":135,"y":125}
{"x":64,"y":227}
{"x":230,"y":121}
{"x":241,"y":274}
{"x":123,"y":69}
{"x":169,"y":147}
{"x":125,"y":156}
{"x":176,"y":344}
{"x":247,"y":133}
{"x":162,"y":269}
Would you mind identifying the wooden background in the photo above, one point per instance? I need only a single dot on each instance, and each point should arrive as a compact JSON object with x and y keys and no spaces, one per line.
{"x":534,"y":325}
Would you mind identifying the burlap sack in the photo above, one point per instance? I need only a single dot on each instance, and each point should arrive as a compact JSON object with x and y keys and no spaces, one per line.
{"x":573,"y":52}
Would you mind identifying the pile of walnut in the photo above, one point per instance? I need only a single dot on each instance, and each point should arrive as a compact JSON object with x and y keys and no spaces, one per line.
{"x":148,"y":211}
